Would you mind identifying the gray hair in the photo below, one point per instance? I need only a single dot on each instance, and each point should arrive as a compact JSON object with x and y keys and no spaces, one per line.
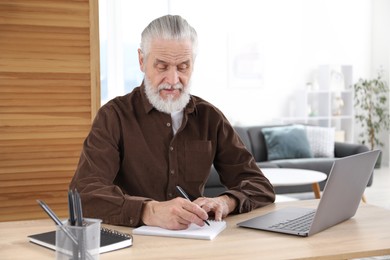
{"x":169,"y":27}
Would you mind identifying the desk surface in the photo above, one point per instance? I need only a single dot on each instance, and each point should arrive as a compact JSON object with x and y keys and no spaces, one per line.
{"x":366,"y":234}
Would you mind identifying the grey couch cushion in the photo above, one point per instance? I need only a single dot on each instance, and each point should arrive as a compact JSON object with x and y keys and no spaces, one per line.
{"x":257,"y":141}
{"x":243,"y":133}
{"x":346,"y":149}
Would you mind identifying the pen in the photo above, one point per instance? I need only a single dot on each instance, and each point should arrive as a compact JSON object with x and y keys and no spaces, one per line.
{"x":72,"y":220}
{"x":56,"y":220}
{"x":79,"y":220}
{"x":184,"y":194}
{"x":78,"y":208}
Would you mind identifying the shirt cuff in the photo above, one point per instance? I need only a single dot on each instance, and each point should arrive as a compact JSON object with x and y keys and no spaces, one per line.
{"x":132,"y":211}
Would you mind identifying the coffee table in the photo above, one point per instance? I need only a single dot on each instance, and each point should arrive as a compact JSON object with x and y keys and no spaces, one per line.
{"x":294,"y":177}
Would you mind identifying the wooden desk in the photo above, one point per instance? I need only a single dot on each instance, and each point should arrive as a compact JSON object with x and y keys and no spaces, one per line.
{"x":367,"y":234}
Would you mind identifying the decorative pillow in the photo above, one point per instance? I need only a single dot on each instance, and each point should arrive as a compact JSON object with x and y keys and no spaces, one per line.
{"x":321,"y":140}
{"x":286,"y":142}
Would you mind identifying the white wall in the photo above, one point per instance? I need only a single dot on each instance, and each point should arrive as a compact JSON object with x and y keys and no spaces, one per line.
{"x":381,"y":53}
{"x":292,"y":37}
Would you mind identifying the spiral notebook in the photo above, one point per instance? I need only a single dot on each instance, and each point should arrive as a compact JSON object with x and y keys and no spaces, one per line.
{"x":110,"y":240}
{"x":194,"y":231}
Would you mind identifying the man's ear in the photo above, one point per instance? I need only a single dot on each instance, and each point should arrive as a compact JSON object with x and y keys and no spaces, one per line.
{"x":141,"y":60}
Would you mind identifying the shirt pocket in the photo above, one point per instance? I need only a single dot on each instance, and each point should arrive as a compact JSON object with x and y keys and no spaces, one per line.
{"x":198,"y":160}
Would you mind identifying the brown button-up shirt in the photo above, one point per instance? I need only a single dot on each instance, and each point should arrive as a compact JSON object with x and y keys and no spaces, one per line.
{"x":131,"y":156}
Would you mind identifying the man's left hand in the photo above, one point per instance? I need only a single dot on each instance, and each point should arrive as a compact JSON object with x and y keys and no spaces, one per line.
{"x":220,"y":206}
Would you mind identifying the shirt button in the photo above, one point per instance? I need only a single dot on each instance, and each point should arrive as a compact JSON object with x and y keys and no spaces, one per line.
{"x":172,"y":172}
{"x":170,"y":195}
{"x":171,"y":148}
{"x":131,"y":221}
{"x":168,"y":124}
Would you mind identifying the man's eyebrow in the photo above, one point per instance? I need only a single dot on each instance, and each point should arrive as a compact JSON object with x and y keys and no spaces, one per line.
{"x":158,"y":61}
{"x":186,"y":62}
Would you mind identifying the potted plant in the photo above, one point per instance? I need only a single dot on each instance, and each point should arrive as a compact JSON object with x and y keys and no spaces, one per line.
{"x":372,"y":110}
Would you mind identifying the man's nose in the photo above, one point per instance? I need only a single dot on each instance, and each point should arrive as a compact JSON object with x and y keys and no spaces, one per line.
{"x":172,"y":76}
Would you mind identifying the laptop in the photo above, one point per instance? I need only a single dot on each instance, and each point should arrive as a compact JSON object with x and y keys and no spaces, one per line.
{"x":340,"y":200}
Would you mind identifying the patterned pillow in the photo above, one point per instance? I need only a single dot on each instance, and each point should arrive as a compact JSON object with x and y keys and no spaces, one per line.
{"x":321,"y":140}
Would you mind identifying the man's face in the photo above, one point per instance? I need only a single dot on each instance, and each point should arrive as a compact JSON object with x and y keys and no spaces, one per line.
{"x":169,"y":62}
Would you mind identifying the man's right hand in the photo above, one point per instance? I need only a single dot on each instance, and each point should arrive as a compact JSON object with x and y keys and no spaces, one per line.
{"x":177,"y":213}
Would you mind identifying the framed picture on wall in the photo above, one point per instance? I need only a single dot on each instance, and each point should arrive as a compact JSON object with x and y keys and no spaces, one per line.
{"x":245,"y":62}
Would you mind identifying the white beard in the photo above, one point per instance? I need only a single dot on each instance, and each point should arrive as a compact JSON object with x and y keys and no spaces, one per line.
{"x":169,"y":105}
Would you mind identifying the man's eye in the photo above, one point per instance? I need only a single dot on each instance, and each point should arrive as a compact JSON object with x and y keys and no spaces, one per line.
{"x":161,"y":67}
{"x":182,"y":67}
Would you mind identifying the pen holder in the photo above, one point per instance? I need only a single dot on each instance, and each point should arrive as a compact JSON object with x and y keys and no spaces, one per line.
{"x":78,"y":242}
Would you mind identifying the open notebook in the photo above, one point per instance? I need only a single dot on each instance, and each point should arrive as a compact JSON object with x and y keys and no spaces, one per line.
{"x":194,"y":231}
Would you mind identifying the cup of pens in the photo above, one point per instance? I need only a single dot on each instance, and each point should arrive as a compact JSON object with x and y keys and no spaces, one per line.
{"x":77,"y":238}
{"x":78,"y":242}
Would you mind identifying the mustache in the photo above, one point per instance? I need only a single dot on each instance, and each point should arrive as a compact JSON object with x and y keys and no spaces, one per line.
{"x":178,"y":86}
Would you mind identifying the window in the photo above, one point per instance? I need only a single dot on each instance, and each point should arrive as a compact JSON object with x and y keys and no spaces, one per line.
{"x":121,"y":23}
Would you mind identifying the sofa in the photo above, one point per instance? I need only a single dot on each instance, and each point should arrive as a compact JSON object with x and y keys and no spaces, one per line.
{"x":263,"y":143}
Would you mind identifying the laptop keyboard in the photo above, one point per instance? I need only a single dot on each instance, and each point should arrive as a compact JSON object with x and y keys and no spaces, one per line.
{"x":301,"y":223}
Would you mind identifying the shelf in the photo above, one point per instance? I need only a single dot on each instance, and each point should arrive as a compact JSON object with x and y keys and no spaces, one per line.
{"x":330,"y":104}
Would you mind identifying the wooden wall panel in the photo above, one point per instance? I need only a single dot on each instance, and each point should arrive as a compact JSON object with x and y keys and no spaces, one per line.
{"x":49,"y":93}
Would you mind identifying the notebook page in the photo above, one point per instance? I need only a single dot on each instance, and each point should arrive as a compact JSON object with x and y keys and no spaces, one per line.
{"x":194,"y":231}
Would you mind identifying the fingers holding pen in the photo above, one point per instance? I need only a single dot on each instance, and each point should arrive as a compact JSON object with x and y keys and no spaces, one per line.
{"x":178,"y":213}
{"x":199,"y":213}
{"x":193,"y":212}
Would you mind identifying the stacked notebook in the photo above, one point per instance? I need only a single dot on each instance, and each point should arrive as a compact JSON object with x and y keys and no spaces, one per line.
{"x":110,"y":240}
